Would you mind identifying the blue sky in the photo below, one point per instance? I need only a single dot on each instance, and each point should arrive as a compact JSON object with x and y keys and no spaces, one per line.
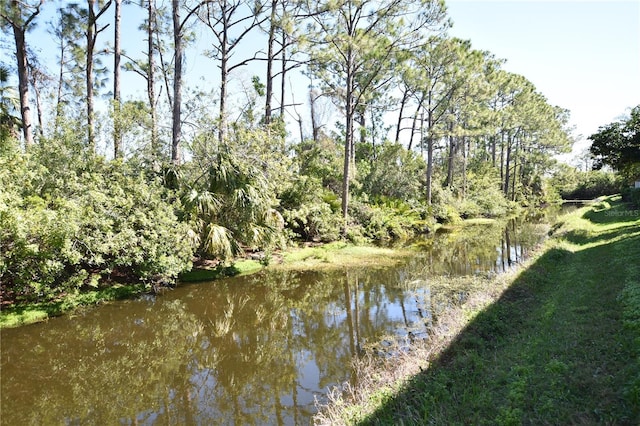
{"x":582,"y":55}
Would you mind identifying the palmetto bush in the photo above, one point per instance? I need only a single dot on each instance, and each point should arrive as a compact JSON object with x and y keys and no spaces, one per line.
{"x":229,"y":192}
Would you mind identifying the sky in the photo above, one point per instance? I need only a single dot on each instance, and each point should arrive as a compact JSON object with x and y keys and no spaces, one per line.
{"x":581,"y":55}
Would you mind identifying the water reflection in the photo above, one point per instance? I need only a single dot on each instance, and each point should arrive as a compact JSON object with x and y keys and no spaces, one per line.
{"x":247,"y":350}
{"x":481,"y":248}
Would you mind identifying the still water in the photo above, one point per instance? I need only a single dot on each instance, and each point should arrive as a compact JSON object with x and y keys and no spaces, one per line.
{"x":247,"y":350}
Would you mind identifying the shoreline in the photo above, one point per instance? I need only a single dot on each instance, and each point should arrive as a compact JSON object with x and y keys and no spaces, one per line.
{"x":498,"y":357}
{"x":323,"y":256}
{"x":333,"y":255}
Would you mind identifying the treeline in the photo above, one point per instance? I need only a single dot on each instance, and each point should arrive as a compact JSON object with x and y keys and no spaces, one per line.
{"x":430,"y":130}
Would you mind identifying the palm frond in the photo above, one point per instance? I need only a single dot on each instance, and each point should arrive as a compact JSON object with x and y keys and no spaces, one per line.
{"x":219,"y":242}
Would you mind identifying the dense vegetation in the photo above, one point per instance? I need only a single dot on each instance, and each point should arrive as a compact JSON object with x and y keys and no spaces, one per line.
{"x":92,"y":193}
{"x":617,"y":145}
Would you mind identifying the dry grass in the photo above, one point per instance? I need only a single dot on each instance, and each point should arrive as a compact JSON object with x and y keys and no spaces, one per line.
{"x":381,"y":377}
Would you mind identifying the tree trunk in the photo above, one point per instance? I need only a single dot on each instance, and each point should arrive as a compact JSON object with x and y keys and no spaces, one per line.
{"x":506,"y":167}
{"x":429,"y":146}
{"x":348,"y":140}
{"x":89,"y":76}
{"x":492,"y":142}
{"x":117,"y":128}
{"x":283,"y":74}
{"x":403,"y":101}
{"x":222,"y":133}
{"x":14,"y":17}
{"x":429,"y":164}
{"x":515,"y":171}
{"x":59,"y":91}
{"x":501,"y":157}
{"x":177,"y":85}
{"x":466,"y":144}
{"x":270,"y":59}
{"x":415,"y":122}
{"x":34,"y":75}
{"x":23,"y":83}
{"x":314,"y":122}
{"x":92,"y":35}
{"x":450,"y":159}
{"x":224,"y":59}
{"x":151,"y":77}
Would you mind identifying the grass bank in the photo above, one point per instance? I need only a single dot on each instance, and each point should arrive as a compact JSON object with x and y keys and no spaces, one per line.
{"x":334,"y":255}
{"x":557,"y":342}
{"x":327,"y":256}
{"x":28,"y":313}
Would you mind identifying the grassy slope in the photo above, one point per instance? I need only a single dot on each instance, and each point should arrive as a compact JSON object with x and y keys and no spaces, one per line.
{"x":559,"y":346}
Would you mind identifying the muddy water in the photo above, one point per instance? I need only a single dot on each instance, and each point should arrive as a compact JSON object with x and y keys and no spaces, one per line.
{"x":247,"y":350}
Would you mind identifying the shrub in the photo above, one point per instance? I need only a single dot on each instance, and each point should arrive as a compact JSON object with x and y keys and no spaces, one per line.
{"x":575,"y":185}
{"x":306,"y":215}
{"x":632,"y":195}
{"x":65,"y":225}
{"x":392,"y":172}
{"x":443,"y":205}
{"x":389,"y":219}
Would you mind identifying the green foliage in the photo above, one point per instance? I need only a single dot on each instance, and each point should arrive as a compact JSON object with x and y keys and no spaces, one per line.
{"x":69,"y":221}
{"x":390,"y":170}
{"x":307,"y":215}
{"x":484,"y":197}
{"x":389,"y":219}
{"x":632,"y":195}
{"x":442,"y":206}
{"x":9,"y":106}
{"x":230,"y":191}
{"x":322,"y":160}
{"x":572,"y":184}
{"x":617,"y":145}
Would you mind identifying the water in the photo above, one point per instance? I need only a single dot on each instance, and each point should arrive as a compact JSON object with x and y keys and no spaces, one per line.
{"x":247,"y":350}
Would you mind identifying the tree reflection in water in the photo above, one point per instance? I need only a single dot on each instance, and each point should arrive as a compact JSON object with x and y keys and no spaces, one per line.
{"x":246,"y":350}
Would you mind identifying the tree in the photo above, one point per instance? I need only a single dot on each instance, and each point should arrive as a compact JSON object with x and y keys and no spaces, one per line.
{"x":150,"y":75}
{"x":65,"y":29}
{"x":355,"y":47}
{"x":230,"y":21}
{"x":441,"y":70}
{"x":176,"y":115}
{"x":37,"y":78}
{"x":179,"y":26}
{"x":92,"y":31}
{"x":617,"y":145}
{"x":282,"y":41}
{"x":147,"y":68}
{"x":117,"y":132}
{"x":20,"y":17}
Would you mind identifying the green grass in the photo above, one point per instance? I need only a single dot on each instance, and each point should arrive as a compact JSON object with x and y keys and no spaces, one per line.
{"x":22,"y":314}
{"x":339,"y":255}
{"x":560,"y":345}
